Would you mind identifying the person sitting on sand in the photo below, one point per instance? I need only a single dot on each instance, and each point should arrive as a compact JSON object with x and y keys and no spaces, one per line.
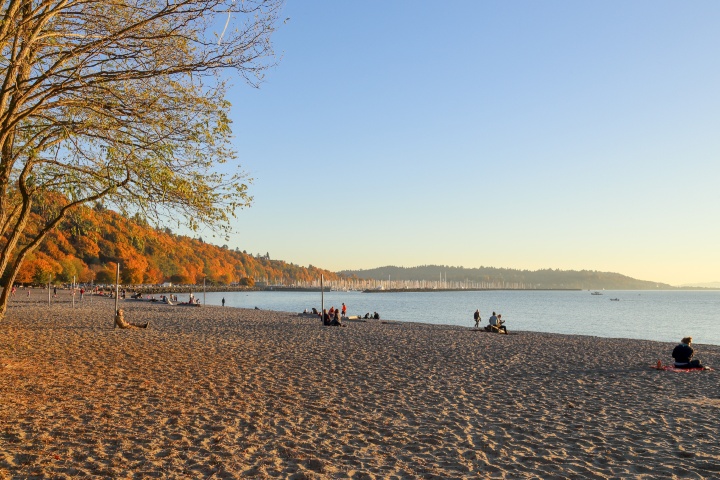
{"x":325,"y":317}
{"x":121,"y":323}
{"x":376,"y":316}
{"x":683,"y":354}
{"x":336,"y":320}
{"x":495,"y":324}
{"x":501,"y":323}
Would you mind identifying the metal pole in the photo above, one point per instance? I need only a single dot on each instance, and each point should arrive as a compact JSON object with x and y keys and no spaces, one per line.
{"x":322,"y":298}
{"x":73,"y":291}
{"x":204,"y":302}
{"x":48,"y":293}
{"x":117,"y":287}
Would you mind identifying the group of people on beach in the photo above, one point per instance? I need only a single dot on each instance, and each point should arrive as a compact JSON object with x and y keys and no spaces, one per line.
{"x":333,"y":317}
{"x":495,"y":322}
{"x":682,"y":354}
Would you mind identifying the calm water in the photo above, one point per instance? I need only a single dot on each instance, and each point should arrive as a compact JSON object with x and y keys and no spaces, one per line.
{"x":652,"y":315}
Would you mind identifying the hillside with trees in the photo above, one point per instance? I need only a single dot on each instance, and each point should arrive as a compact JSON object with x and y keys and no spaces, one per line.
{"x":489,"y":277}
{"x":90,"y":242}
{"x":124,"y":103}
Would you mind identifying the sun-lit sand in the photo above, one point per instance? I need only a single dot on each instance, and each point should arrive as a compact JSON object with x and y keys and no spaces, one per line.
{"x":216,"y":392}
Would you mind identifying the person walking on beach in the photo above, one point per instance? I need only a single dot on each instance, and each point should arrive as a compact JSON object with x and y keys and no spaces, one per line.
{"x":121,"y":323}
{"x":683,"y":354}
{"x":223,"y":301}
{"x":477,"y":318}
{"x":344,"y":310}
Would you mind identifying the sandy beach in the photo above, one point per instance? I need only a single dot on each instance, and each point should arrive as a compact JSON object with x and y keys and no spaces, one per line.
{"x":214,"y":392}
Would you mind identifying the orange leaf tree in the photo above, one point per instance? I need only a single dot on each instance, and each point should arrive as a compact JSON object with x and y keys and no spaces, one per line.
{"x":120,"y":101}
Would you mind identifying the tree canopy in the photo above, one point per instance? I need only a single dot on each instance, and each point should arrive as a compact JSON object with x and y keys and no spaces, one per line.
{"x":122,"y":100}
{"x":90,"y":242}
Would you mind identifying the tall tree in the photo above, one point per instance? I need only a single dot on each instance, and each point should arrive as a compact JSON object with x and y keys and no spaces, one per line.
{"x":124,"y":101}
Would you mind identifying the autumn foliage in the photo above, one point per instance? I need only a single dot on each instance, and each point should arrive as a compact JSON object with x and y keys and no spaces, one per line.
{"x":90,"y":243}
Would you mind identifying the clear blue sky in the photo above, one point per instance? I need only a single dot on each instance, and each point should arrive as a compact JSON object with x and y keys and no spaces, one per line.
{"x":524,"y":134}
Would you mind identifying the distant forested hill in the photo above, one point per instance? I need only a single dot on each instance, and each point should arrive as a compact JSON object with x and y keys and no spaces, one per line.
{"x":91,"y":241}
{"x":505,"y":277}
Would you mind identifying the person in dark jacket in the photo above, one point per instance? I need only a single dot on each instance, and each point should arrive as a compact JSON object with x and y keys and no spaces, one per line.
{"x":683,"y":354}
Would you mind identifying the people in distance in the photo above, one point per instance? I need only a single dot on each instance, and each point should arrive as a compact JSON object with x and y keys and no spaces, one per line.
{"x":477,"y":318}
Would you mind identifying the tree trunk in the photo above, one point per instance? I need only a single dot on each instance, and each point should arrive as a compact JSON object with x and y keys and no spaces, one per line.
{"x":7,"y":289}
{"x":10,"y":247}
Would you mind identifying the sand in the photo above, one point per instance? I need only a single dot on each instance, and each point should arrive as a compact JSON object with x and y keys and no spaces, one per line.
{"x":216,"y":392}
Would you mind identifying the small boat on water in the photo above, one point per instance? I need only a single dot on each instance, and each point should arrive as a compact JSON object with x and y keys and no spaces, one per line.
{"x":614,"y":299}
{"x":596,"y":293}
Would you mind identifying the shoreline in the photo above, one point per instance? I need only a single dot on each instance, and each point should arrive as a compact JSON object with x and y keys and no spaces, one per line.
{"x":42,"y":302}
{"x":240,"y":393}
{"x":429,"y":290}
